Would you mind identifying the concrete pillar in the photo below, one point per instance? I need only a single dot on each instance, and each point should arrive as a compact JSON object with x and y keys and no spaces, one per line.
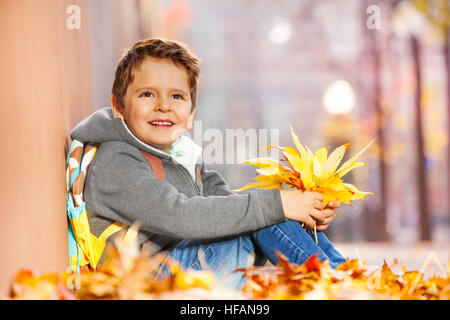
{"x":45,"y":88}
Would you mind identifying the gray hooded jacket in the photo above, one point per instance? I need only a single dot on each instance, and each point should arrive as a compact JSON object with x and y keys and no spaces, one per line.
{"x":120,"y":186}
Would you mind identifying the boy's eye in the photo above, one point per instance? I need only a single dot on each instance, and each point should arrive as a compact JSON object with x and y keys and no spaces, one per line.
{"x":147,"y":94}
{"x":178,"y":96}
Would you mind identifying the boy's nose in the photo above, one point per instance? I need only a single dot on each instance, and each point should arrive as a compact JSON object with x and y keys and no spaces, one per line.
{"x":163,"y":105}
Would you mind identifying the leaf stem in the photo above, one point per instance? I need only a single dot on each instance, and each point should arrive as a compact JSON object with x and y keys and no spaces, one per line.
{"x":315,"y":235}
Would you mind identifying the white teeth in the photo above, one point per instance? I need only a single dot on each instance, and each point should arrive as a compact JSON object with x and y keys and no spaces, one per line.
{"x":161,"y":123}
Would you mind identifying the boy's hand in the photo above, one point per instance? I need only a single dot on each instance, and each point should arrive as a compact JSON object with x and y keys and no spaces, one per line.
{"x":330,"y":213}
{"x":305,"y":207}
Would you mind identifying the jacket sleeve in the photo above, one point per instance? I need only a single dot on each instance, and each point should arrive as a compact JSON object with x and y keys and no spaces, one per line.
{"x":121,"y":186}
{"x":214,"y":183}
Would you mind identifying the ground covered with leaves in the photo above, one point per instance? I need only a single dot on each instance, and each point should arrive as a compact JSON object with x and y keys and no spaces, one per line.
{"x":129,"y":273}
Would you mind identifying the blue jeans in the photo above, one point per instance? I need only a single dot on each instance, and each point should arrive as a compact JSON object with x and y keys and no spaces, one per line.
{"x":225,"y":255}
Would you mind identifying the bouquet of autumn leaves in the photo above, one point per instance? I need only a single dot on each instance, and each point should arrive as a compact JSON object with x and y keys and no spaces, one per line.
{"x":308,"y":171}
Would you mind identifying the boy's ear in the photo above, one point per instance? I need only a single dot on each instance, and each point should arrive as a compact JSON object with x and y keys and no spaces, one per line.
{"x":191,"y":119}
{"x":115,"y":108}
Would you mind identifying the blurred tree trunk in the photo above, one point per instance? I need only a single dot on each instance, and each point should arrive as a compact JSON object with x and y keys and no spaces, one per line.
{"x":381,"y":233}
{"x":438,"y":14}
{"x":446,"y":53}
{"x":374,"y":219}
{"x":424,"y":214}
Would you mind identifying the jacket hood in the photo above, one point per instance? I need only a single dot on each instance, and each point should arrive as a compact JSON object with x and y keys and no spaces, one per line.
{"x":101,"y":126}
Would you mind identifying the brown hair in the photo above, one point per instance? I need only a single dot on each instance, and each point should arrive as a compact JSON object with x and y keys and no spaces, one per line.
{"x":175,"y":51}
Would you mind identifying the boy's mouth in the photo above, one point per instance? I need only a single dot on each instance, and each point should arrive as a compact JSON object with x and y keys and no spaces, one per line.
{"x":162,"y":124}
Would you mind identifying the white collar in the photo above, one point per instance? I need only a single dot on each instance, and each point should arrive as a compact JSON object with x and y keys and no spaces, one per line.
{"x":184,"y":151}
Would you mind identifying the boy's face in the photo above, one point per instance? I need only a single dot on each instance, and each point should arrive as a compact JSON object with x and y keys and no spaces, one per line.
{"x":159,"y":92}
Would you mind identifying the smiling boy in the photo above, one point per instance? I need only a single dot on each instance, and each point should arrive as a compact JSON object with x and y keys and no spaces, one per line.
{"x":159,"y":106}
{"x":185,"y":210}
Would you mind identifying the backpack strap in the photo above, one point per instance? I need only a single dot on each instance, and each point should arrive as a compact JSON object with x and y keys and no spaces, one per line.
{"x":110,"y":230}
{"x":158,"y":168}
{"x":156,"y":164}
{"x":199,"y":176}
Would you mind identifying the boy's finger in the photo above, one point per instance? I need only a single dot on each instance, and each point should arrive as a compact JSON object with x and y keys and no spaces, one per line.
{"x":326,"y":221}
{"x":318,"y":196}
{"x":317,"y":215}
{"x":334,"y":204}
{"x":318,"y":205}
{"x":322,"y":227}
{"x":328,"y":212}
{"x":310,"y":223}
{"x":337,"y":204}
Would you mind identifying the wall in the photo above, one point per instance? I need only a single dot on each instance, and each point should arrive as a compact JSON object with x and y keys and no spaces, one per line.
{"x":114,"y":25}
{"x":45,"y":88}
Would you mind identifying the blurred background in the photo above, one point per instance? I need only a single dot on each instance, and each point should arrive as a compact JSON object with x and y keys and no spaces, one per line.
{"x":338,"y":71}
{"x":331,"y":70}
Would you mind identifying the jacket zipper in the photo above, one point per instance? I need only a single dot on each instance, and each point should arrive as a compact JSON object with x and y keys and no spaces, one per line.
{"x":197,"y":189}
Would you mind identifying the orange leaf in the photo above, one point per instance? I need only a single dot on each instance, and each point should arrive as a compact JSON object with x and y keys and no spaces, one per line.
{"x":313,"y":264}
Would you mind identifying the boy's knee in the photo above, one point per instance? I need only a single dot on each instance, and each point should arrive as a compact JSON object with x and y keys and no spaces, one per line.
{"x":239,"y":251}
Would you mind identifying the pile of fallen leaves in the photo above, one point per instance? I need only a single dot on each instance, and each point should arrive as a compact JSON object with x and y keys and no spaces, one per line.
{"x":129,"y":273}
{"x":49,"y":286}
{"x":351,"y":280}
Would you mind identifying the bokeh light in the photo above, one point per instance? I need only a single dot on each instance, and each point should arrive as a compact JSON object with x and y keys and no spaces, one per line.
{"x":339,"y":97}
